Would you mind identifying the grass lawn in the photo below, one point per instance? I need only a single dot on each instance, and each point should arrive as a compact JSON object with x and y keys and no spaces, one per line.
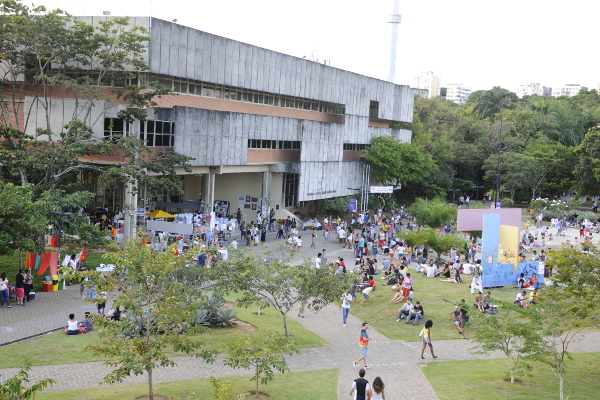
{"x":382,"y":315}
{"x":70,"y":349}
{"x":486,"y":379}
{"x":317,"y":385}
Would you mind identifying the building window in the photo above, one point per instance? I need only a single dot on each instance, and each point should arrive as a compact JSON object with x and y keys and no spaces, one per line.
{"x":274,"y":144}
{"x":114,"y":128}
{"x":158,"y":133}
{"x":374,"y":109}
{"x":355,"y":147}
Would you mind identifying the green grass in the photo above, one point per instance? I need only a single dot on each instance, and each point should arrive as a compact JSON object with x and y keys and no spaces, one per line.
{"x":71,"y":349}
{"x":314,"y":385}
{"x":433,"y":295}
{"x":486,"y":379}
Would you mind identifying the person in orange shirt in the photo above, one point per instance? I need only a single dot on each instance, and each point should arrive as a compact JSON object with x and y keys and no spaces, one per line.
{"x":113,"y":233}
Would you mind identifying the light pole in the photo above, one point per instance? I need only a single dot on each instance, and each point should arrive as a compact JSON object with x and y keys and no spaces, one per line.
{"x":60,"y":214}
{"x":477,"y":188}
{"x":453,"y":193}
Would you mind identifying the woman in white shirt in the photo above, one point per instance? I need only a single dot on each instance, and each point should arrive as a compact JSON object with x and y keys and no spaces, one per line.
{"x":4,"y":292}
{"x":72,"y":327}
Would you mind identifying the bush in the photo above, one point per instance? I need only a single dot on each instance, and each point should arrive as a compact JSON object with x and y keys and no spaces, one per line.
{"x":213,"y":312}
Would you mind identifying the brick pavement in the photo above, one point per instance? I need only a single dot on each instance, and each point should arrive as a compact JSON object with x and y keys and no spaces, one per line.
{"x":394,"y":361}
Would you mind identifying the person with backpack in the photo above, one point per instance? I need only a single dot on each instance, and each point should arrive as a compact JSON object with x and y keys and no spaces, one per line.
{"x":477,"y":274}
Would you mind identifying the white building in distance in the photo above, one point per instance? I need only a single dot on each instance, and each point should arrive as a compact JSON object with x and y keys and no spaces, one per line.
{"x":533,"y":89}
{"x":457,"y":92}
{"x":428,"y":80}
{"x":569,"y":90}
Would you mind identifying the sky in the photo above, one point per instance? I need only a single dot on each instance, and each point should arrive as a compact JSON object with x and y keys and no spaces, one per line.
{"x":476,"y":43}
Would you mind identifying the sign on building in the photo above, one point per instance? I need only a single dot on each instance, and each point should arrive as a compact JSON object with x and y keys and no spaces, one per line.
{"x":382,"y":189}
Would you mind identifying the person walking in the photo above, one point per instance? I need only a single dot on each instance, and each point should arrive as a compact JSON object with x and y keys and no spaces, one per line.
{"x":426,"y":333}
{"x":345,"y":303}
{"x":313,"y":242}
{"x":378,"y":389}
{"x":363,"y":342}
{"x":360,"y":387}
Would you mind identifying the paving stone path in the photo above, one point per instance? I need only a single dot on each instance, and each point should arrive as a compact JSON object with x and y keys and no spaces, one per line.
{"x":395,"y":361}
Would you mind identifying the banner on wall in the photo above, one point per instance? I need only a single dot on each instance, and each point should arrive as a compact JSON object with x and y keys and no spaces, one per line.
{"x":352,"y":205}
{"x":508,"y":245}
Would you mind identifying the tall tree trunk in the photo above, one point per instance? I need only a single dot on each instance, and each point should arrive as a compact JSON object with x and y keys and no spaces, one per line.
{"x":287,"y":334}
{"x":150,"y":389}
{"x":561,"y":382}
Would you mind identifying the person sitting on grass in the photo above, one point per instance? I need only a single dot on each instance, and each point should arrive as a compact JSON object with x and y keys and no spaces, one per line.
{"x":520,"y":300}
{"x":405,"y":310}
{"x":416,"y":313}
{"x":88,"y":322}
{"x":533,"y":297}
{"x":455,"y":316}
{"x":479,"y":302}
{"x":72,"y":327}
{"x":445,"y":272}
{"x":455,"y":278}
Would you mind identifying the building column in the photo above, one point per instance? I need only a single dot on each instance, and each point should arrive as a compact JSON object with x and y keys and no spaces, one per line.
{"x":266,"y":191}
{"x":208,"y":192}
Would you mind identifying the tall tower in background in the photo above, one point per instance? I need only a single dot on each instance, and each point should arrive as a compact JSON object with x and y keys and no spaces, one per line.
{"x":395,"y":19}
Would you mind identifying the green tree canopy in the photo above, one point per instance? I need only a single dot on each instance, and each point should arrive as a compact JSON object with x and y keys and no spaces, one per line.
{"x":393,"y":162}
{"x":433,"y":213}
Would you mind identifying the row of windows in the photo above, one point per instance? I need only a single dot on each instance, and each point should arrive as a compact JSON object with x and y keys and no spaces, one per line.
{"x":355,"y":147}
{"x":155,"y":133}
{"x":225,"y":92}
{"x":274,"y":144}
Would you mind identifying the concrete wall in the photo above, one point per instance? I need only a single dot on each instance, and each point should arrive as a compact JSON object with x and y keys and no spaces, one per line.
{"x":188,"y":53}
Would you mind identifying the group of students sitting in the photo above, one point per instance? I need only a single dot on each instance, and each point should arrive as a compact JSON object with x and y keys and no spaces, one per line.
{"x":75,"y":327}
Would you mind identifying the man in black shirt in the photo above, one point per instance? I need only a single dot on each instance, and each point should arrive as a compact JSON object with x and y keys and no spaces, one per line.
{"x":416,"y":313}
{"x":361,"y":387}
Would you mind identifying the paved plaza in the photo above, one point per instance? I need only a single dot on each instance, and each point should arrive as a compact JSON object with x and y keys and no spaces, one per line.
{"x":395,"y":361}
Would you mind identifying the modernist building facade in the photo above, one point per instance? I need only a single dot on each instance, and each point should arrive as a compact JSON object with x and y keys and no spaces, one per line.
{"x":457,"y":92}
{"x":272,"y":128}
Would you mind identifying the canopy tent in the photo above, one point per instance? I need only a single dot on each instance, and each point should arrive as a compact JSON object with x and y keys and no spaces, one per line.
{"x":159,"y":214}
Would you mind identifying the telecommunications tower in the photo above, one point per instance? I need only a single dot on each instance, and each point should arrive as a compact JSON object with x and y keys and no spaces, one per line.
{"x":395,"y":19}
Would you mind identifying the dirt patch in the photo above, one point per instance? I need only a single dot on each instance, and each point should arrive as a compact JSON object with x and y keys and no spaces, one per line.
{"x":156,"y":397}
{"x":260,"y":395}
{"x":244,"y":327}
{"x":229,"y":304}
{"x":517,"y":381}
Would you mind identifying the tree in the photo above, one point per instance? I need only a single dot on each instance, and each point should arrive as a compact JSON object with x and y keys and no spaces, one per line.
{"x":433,"y":213}
{"x":512,"y":332}
{"x":517,"y":171}
{"x":393,"y":162}
{"x":13,"y":388}
{"x":160,"y":313}
{"x":23,"y":220}
{"x":438,"y":242}
{"x":587,"y":170}
{"x":279,"y":285}
{"x":263,"y":352}
{"x":494,"y":101}
{"x":568,"y":308}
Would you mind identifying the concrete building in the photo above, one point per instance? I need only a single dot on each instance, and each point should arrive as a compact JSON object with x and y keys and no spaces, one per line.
{"x":265,"y":129}
{"x":569,"y":90}
{"x":533,"y":89}
{"x":428,"y":80}
{"x":457,"y":92}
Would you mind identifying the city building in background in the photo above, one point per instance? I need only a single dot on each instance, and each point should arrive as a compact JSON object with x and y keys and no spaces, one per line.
{"x":457,"y":92}
{"x":428,"y":80}
{"x":569,"y":90}
{"x":533,"y":89}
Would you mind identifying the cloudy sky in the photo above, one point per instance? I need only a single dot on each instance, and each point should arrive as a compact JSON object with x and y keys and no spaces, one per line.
{"x":477,"y":43}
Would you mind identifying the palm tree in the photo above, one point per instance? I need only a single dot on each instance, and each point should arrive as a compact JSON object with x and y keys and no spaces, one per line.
{"x":489,"y":104}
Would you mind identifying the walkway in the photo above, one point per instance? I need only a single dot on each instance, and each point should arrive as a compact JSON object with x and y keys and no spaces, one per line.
{"x":395,"y":361}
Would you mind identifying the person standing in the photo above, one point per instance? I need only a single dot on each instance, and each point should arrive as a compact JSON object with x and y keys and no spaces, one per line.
{"x":20,"y":288}
{"x":363,"y":342}
{"x":345,"y":303}
{"x":378,"y":389}
{"x":426,"y":333}
{"x":4,"y":292}
{"x":313,"y":242}
{"x":28,"y":282}
{"x":477,"y":273}
{"x":360,"y":387}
